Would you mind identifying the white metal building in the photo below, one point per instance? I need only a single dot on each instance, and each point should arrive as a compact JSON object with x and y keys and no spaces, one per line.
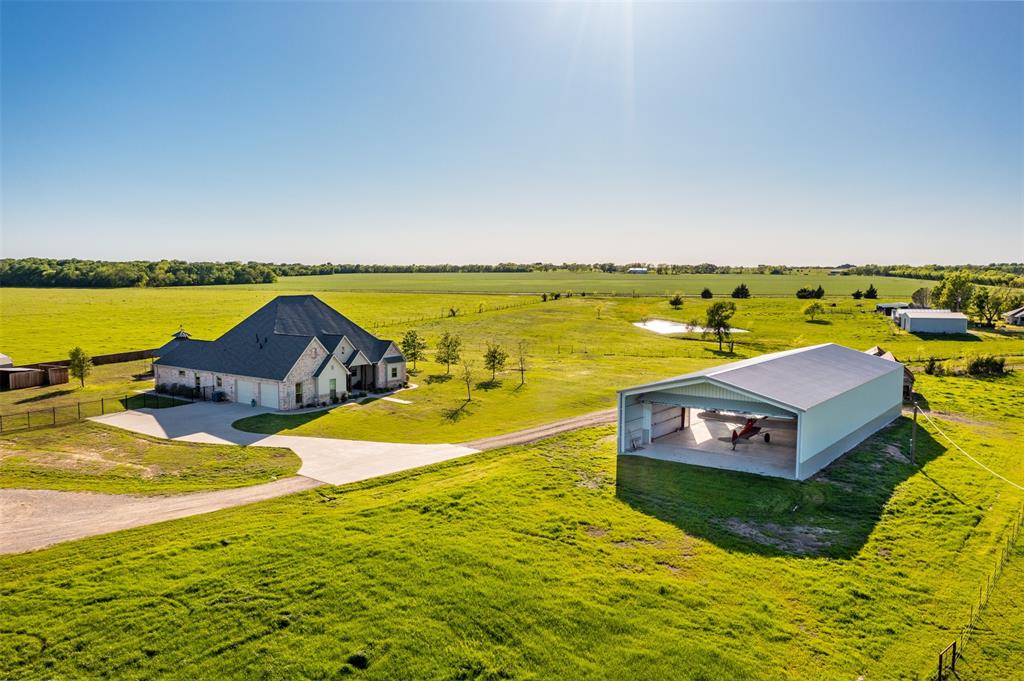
{"x":931,"y":321}
{"x":814,"y":403}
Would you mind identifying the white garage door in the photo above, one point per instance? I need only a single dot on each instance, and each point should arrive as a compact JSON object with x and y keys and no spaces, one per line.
{"x":268,"y":395}
{"x":246,"y":392}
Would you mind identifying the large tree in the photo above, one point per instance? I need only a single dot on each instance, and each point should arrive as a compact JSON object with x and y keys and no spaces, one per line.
{"x":922,"y":297}
{"x":717,"y":321}
{"x":494,"y":359}
{"x":79,"y":364}
{"x":413,"y":347}
{"x":988,"y":304}
{"x":449,"y":350}
{"x":954,"y":291}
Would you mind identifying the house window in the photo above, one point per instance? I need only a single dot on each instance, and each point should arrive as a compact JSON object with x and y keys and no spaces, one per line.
{"x":394,"y":372}
{"x":298,"y":393}
{"x":220,"y":382}
{"x":197,"y":381}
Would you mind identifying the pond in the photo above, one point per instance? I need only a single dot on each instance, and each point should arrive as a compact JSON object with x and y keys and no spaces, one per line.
{"x":664,"y":326}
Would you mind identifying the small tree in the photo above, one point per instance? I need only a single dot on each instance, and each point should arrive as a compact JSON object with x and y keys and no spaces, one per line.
{"x":819,"y":292}
{"x":741,"y":291}
{"x":467,"y":378}
{"x":858,"y":294}
{"x":449,"y":350}
{"x":494,"y":359}
{"x":922,"y":297}
{"x":521,"y":361}
{"x":543,"y":297}
{"x":814,"y":309}
{"x":676,"y":301}
{"x":706,"y":293}
{"x":80,"y":364}
{"x":716,"y":322}
{"x":954,"y":291}
{"x":413,"y":347}
{"x":871,"y":293}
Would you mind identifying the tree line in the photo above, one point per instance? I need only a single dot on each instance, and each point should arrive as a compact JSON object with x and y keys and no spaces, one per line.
{"x":74,"y":273}
{"x":993,"y":274}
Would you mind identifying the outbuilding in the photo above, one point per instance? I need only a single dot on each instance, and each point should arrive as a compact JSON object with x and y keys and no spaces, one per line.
{"x":785,"y":414}
{"x":1015,"y":317}
{"x":931,"y":321}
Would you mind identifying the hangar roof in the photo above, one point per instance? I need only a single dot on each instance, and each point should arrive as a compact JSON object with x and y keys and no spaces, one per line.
{"x":799,"y":379}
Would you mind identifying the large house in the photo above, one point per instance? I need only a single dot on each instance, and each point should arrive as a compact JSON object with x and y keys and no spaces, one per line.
{"x":293,"y":352}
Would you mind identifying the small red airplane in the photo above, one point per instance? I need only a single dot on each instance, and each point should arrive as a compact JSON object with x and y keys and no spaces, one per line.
{"x":749,"y":430}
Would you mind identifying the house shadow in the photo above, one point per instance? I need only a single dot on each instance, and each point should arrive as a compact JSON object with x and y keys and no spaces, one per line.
{"x":830,"y":515}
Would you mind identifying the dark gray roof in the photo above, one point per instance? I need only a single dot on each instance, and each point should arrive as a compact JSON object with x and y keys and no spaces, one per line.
{"x":269,"y":342}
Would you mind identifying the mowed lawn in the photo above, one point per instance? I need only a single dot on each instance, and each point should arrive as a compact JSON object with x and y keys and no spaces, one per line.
{"x":555,"y":560}
{"x":89,"y":457}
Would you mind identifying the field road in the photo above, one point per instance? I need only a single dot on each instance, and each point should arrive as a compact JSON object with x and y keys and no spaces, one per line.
{"x":34,"y":519}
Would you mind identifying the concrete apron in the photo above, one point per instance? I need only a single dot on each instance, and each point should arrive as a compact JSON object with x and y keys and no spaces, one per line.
{"x":329,"y":460}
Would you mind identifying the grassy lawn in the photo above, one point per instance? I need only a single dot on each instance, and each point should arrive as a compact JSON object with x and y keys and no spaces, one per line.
{"x":95,"y":458}
{"x":995,"y":650}
{"x":554,"y":560}
{"x":581,"y":351}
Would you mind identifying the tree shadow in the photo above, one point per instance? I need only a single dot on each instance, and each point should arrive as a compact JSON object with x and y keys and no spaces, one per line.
{"x":489,"y":384}
{"x":721,"y":353}
{"x":458,"y":413}
{"x":969,"y":337}
{"x":46,"y":396}
{"x":437,"y":378}
{"x":819,"y":322}
{"x":830,"y":515}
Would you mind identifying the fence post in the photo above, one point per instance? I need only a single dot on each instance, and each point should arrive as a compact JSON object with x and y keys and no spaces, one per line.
{"x":79,"y":404}
{"x":1,"y":423}
{"x":103,"y":406}
{"x":54,"y":410}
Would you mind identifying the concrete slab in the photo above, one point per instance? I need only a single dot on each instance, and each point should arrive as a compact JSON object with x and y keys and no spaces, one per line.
{"x":329,"y":460}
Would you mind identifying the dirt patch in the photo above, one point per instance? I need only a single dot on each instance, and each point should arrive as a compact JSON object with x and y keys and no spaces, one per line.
{"x":589,"y":480}
{"x":894,"y":453}
{"x":596,"y":531}
{"x":674,"y":569}
{"x":798,"y":539}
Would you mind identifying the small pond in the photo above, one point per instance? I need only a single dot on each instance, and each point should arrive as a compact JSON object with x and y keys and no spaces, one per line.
{"x":664,"y":326}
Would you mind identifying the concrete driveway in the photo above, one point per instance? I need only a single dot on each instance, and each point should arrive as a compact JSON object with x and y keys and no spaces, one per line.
{"x":325,"y":459}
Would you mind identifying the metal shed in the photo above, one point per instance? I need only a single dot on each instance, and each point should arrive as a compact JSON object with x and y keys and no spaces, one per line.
{"x":931,"y":321}
{"x":814,"y":403}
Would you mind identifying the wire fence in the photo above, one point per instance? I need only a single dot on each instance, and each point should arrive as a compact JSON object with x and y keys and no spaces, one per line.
{"x":78,"y":411}
{"x":452,"y":313}
{"x":955,"y":650}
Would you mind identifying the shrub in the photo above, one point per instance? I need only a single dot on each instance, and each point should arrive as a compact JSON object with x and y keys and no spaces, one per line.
{"x":741,"y":291}
{"x":858,"y":294}
{"x":706,"y":293}
{"x":676,"y":301}
{"x":871,"y":293}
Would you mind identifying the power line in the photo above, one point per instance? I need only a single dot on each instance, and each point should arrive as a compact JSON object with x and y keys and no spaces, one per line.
{"x":940,"y":432}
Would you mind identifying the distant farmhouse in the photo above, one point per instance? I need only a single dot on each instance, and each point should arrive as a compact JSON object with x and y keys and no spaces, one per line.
{"x":295,"y":351}
{"x":931,"y":321}
{"x":637,"y":270}
{"x":1015,"y":317}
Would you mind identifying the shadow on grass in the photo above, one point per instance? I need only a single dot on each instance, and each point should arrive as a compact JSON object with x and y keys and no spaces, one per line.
{"x":489,"y":384}
{"x":819,"y":322}
{"x":45,"y":396}
{"x":830,"y":515}
{"x":458,"y":413}
{"x":437,"y":378}
{"x":969,"y":337}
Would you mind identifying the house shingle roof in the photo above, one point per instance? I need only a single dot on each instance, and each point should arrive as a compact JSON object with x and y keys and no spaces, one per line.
{"x":269,"y":342}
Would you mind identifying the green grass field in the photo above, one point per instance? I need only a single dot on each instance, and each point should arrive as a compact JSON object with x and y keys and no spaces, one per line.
{"x":88,"y":457}
{"x":600,"y":283}
{"x":548,"y":561}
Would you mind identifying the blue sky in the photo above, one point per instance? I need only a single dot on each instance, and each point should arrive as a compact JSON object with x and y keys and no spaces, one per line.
{"x":735,"y":133}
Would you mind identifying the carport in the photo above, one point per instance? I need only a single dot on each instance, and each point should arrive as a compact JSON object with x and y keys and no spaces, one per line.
{"x":813,"y":404}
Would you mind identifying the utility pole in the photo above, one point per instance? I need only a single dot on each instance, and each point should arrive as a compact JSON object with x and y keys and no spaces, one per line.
{"x":913,"y":439}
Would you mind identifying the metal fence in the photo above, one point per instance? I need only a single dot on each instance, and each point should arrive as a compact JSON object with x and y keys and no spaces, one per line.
{"x":77,"y":411}
{"x":955,"y":650}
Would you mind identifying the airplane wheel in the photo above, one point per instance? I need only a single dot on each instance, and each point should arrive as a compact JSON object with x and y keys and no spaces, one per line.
{"x":767,"y":438}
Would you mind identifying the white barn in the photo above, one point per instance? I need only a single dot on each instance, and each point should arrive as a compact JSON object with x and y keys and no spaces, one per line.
{"x":814,"y":404}
{"x":931,"y":321}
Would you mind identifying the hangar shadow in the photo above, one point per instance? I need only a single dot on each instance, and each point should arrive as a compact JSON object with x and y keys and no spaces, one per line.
{"x":829,"y":515}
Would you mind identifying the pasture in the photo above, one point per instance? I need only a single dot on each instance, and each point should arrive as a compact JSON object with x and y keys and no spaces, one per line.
{"x":555,"y":560}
